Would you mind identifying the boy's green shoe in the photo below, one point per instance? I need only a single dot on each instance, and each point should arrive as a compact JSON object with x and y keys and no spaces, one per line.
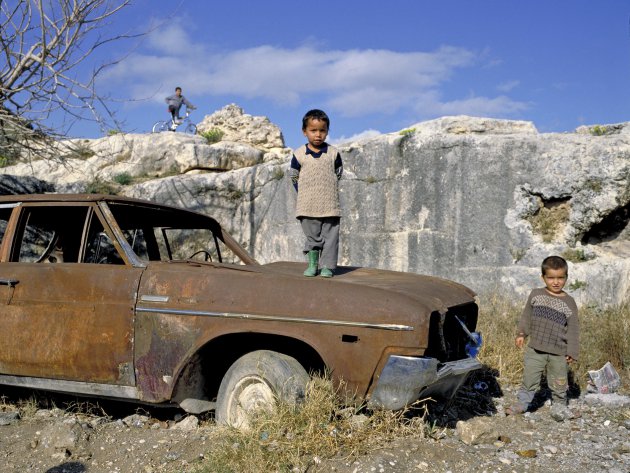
{"x":326,"y":273}
{"x":313,"y":258}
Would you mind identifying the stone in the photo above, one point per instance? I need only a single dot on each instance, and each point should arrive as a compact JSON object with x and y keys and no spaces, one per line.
{"x":240,"y":127}
{"x":612,"y":400}
{"x":188,"y":424}
{"x":551,"y":449}
{"x":479,"y":430}
{"x":136,"y":420}
{"x":9,"y":417}
{"x":62,"y":437}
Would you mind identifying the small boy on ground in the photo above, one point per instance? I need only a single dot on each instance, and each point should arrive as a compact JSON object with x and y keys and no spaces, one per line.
{"x":317,"y":168}
{"x":550,"y":320}
{"x":175,"y":102}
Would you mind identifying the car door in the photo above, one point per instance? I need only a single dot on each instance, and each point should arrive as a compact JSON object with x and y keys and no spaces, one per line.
{"x":67,"y":313}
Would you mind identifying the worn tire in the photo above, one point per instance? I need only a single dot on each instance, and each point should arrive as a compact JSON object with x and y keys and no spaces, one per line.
{"x":255,"y":382}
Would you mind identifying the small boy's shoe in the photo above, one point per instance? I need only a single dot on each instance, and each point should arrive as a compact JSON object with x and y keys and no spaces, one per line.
{"x":326,"y":273}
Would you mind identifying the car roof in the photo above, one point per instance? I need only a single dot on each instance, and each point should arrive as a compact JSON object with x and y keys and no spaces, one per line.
{"x":52,"y":198}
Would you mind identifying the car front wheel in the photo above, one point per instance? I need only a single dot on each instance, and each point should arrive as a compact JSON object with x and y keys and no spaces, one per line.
{"x":255,"y":382}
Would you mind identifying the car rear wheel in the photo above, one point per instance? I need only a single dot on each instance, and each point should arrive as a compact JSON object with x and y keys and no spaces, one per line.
{"x":255,"y":382}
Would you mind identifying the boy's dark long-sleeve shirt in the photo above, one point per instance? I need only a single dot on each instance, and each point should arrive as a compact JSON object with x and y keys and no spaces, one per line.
{"x":551,"y":323}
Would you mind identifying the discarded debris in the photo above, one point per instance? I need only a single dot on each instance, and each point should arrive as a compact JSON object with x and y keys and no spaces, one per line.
{"x":605,"y":380}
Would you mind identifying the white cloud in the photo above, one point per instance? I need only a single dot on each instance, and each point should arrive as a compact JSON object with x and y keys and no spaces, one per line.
{"x":483,"y":106}
{"x":349,"y":82}
{"x":363,"y":135}
{"x":508,"y":86}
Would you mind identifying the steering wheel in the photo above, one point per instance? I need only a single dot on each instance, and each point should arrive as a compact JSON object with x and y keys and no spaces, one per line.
{"x":206,"y":256}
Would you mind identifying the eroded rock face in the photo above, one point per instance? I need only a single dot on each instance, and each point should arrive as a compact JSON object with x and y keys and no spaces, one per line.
{"x":476,"y":200}
{"x":10,"y":184}
{"x":78,"y":163}
{"x":240,"y":127}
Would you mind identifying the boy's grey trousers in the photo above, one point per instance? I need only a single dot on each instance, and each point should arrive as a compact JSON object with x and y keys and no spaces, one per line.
{"x":322,"y":234}
{"x":536,"y":362}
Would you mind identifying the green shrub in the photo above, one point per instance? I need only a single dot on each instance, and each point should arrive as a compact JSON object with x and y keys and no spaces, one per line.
{"x":123,"y":178}
{"x":594,"y":184}
{"x":407,"y":131}
{"x":80,"y":152}
{"x":575,"y":255}
{"x":98,"y":186}
{"x":600,"y":130}
{"x":213,"y":135}
{"x":6,"y":161}
{"x":576,"y":285}
{"x":113,"y":132}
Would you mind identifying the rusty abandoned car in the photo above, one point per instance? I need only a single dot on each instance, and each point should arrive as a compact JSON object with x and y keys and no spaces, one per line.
{"x":122,"y":298}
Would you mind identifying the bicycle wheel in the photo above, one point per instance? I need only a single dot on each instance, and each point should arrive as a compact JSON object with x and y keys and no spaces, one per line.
{"x":190,"y":129}
{"x":160,"y":126}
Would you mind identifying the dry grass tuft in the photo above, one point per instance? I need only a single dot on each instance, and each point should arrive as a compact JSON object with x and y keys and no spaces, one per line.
{"x":292,"y":439}
{"x":550,"y":219}
{"x":605,"y":336}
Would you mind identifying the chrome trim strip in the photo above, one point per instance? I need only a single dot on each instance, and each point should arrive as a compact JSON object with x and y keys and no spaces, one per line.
{"x":276,"y":318}
{"x":11,"y":205}
{"x":153,"y":298}
{"x":77,"y":387}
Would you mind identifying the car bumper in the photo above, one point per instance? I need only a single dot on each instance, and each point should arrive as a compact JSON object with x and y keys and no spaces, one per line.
{"x":406,"y":379}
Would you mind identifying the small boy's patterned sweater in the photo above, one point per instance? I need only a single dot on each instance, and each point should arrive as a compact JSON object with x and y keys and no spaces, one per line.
{"x":551,"y":323}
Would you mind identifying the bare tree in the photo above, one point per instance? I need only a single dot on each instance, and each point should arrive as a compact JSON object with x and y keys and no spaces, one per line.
{"x":46,"y":45}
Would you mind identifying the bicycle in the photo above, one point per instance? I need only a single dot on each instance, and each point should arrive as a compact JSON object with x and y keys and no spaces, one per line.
{"x":172,"y":125}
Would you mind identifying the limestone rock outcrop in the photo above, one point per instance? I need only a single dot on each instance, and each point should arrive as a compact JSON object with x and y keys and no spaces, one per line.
{"x":75,"y":164}
{"x":476,"y":200}
{"x":240,"y":127}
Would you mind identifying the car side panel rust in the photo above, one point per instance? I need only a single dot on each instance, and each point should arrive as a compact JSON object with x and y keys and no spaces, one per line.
{"x":77,"y":323}
{"x":182,"y":307}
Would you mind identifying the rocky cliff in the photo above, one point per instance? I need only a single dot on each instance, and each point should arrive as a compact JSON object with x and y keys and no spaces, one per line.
{"x":479,"y":201}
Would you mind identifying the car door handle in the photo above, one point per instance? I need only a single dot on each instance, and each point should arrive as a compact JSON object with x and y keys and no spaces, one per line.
{"x":8,"y":282}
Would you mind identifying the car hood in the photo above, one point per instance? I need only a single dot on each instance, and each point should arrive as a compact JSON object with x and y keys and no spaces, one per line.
{"x":432,"y":292}
{"x":280,"y":289}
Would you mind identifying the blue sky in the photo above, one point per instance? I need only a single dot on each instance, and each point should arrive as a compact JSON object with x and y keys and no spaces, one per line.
{"x":375,"y":66}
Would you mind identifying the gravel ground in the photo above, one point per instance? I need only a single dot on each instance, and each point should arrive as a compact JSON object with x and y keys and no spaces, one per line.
{"x":486,"y":440}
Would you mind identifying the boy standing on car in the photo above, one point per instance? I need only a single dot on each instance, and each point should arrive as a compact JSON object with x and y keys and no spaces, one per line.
{"x":317,"y":168}
{"x":550,"y":320}
{"x":175,"y":102}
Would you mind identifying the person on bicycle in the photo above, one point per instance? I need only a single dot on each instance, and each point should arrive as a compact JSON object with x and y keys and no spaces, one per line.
{"x":175,"y":102}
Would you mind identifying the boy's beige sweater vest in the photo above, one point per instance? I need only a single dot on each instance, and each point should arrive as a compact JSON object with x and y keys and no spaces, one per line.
{"x":318,"y":186}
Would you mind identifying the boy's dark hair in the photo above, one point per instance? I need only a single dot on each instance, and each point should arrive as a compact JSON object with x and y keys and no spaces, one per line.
{"x":554,"y":262}
{"x":315,"y":114}
{"x":178,"y":88}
